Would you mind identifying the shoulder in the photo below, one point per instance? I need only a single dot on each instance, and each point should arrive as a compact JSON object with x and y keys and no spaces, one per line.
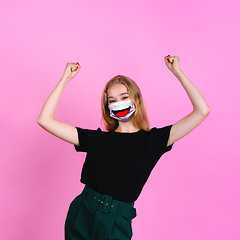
{"x":160,"y":130}
{"x":159,"y":137}
{"x":89,"y":130}
{"x":159,"y":134}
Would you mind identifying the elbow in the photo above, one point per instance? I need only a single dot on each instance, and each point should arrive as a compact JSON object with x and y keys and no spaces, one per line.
{"x":206,"y":111}
{"x":40,"y":122}
{"x":44,"y":123}
{"x":203,"y":112}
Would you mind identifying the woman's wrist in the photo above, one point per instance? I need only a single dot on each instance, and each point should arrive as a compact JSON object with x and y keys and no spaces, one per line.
{"x":178,"y":73}
{"x":63,"y":81}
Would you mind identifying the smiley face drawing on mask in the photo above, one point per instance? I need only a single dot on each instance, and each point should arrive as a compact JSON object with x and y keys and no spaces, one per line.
{"x":122,"y":110}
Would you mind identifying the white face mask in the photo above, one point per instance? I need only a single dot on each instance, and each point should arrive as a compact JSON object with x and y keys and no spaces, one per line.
{"x":122,"y":110}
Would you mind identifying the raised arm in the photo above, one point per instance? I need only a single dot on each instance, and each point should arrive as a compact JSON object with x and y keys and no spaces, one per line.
{"x":46,"y":118}
{"x":200,"y":106}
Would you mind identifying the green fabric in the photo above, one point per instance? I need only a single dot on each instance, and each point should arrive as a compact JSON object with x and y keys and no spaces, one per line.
{"x":85,"y":222}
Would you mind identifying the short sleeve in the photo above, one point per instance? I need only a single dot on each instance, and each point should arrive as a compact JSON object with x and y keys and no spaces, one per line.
{"x":86,"y":138}
{"x":159,"y":138}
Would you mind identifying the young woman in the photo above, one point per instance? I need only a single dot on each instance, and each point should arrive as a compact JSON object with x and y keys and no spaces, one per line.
{"x":120,"y":160}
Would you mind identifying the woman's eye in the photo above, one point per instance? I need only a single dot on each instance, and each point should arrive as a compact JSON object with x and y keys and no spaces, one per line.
{"x":124,"y":98}
{"x":111,"y":101}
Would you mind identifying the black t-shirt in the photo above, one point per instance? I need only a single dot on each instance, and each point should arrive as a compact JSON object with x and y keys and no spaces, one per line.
{"x":119,"y":164}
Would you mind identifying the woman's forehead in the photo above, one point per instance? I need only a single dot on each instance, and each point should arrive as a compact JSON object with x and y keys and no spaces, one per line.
{"x":117,"y":89}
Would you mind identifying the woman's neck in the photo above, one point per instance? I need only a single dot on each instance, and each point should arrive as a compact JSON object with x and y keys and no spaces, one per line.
{"x":127,"y":127}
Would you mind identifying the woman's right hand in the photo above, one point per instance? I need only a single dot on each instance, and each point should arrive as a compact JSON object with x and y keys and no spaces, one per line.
{"x":71,"y":70}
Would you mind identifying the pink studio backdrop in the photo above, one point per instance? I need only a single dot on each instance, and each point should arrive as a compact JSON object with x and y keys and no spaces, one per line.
{"x":193,"y":192}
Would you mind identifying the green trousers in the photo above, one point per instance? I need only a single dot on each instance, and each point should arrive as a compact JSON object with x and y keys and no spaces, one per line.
{"x":92,"y":216}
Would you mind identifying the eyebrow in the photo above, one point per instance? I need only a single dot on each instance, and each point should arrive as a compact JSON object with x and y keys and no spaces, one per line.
{"x":120,"y":95}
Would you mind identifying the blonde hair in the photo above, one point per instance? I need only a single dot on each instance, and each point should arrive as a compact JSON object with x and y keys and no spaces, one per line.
{"x":139,"y":117}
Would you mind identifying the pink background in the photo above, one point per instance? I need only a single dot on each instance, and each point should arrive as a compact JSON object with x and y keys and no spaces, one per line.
{"x":193,"y":192}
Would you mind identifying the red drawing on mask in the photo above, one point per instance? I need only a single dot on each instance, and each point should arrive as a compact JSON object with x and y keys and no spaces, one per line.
{"x":122,"y":114}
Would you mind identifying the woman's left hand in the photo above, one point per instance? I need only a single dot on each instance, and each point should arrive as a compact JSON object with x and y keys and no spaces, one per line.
{"x":172,"y":63}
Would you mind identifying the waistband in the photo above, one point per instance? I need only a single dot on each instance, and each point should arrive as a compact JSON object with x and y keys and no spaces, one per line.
{"x":107,"y":204}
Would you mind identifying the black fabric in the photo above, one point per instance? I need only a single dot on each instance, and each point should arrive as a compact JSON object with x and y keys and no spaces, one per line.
{"x":119,"y":164}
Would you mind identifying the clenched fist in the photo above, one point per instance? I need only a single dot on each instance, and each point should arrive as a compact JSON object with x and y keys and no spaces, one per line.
{"x":172,"y":63}
{"x":71,"y":70}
